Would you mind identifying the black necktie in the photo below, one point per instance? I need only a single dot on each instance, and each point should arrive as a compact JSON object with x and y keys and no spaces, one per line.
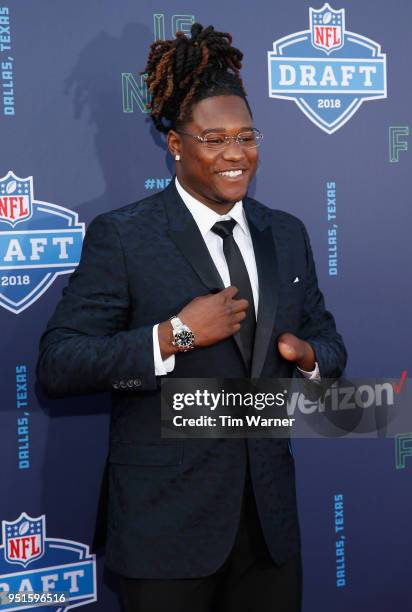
{"x":240,"y":278}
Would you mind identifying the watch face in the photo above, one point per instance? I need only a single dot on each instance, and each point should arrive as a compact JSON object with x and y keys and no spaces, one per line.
{"x":184,"y":339}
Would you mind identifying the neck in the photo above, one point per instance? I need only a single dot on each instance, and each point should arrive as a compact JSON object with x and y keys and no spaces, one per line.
{"x":221,"y":207}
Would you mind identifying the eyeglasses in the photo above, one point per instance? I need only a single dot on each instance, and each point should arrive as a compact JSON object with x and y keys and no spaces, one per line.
{"x":248,"y":139}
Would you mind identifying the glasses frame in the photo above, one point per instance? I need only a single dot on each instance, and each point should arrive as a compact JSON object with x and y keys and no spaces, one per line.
{"x":202,"y":139}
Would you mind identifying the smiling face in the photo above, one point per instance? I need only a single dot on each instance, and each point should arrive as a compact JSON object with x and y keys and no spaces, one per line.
{"x":202,"y":171}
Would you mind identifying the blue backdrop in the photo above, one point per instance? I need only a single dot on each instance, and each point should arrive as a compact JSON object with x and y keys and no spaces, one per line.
{"x":335,"y":153}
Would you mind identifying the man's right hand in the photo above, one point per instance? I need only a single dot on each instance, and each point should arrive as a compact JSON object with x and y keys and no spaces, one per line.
{"x":211,"y":318}
{"x":214,"y":317}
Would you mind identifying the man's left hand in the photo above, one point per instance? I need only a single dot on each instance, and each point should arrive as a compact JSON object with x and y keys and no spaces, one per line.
{"x":299,"y":351}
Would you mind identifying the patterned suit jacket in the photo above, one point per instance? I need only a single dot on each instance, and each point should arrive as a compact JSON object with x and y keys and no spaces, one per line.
{"x":173,"y":504}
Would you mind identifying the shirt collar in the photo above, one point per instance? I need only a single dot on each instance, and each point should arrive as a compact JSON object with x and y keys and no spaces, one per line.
{"x":205,"y":217}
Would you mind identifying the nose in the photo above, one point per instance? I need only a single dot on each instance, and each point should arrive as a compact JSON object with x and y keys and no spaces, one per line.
{"x":233,"y":151}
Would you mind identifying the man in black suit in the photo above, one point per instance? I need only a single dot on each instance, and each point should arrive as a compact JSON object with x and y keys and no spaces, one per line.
{"x":196,"y":524}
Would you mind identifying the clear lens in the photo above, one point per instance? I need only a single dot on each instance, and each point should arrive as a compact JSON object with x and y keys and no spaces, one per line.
{"x":248,"y":139}
{"x":215,"y":141}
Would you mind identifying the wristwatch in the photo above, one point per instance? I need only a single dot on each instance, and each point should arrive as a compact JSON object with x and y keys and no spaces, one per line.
{"x":183,"y":337}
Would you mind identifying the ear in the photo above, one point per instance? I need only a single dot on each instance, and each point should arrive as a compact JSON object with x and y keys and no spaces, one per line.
{"x":174,"y":143}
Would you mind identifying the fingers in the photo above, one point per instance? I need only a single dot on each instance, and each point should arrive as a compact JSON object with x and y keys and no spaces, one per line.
{"x":287,"y":337}
{"x":239,"y":305}
{"x":239,"y":316}
{"x":229,"y":292}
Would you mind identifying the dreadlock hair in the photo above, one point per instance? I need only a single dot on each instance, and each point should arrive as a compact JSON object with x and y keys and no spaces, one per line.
{"x":185,"y":70}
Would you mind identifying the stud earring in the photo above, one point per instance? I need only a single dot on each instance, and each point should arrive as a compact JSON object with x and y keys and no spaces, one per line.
{"x":177,"y":157}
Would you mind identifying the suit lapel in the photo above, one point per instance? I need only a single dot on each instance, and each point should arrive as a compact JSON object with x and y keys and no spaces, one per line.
{"x":267,"y":268}
{"x":186,"y":235}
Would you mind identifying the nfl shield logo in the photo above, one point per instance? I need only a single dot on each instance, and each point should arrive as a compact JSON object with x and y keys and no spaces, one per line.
{"x":23,"y":539}
{"x":327,"y":28}
{"x":16,"y":196}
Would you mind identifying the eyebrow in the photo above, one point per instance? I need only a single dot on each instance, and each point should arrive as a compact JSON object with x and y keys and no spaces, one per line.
{"x":222,"y":129}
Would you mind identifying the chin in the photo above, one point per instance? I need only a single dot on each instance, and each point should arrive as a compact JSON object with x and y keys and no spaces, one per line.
{"x":231,"y":196}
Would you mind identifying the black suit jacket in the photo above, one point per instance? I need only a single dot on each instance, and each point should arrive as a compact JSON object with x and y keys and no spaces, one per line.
{"x":174,"y":505}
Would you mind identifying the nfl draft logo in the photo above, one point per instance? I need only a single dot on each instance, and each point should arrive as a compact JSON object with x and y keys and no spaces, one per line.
{"x":50,"y":565}
{"x":38,"y":242}
{"x":326,"y":70}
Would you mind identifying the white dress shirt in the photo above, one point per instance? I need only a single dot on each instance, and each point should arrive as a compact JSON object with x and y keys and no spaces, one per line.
{"x":205,"y":218}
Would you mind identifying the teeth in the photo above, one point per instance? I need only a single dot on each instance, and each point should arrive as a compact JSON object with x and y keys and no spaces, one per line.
{"x":231,"y":173}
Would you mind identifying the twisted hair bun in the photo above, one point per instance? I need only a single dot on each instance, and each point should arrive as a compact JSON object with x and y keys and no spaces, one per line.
{"x":185,"y":70}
